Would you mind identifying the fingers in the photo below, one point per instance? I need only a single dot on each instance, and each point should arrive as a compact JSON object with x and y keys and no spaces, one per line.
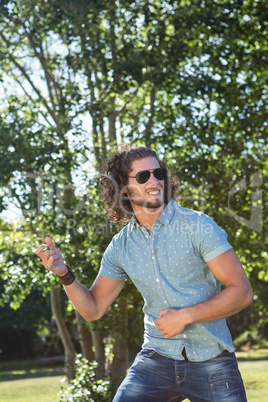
{"x":51,"y":257}
{"x":42,"y":253}
{"x":40,"y":249}
{"x":48,"y":257}
{"x":163,"y":312}
{"x":160,"y":324}
{"x":50,"y":261}
{"x":161,"y":328}
{"x":50,"y":243}
{"x":163,"y":332}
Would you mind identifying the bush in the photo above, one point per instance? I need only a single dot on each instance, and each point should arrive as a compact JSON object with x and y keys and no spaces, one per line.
{"x":85,"y":387}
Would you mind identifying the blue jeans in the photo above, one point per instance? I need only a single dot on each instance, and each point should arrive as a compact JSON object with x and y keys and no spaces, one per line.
{"x":153,"y":377}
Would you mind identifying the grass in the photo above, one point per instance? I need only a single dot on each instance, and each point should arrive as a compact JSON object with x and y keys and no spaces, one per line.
{"x":253,"y":366}
{"x":15,"y":370}
{"x":25,"y":381}
{"x":32,"y":389}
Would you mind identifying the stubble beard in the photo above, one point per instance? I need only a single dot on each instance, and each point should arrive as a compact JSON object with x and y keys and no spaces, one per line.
{"x":146,"y":203}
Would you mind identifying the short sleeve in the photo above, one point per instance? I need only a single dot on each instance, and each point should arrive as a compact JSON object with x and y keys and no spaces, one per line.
{"x":110,"y":266}
{"x":211,"y":239}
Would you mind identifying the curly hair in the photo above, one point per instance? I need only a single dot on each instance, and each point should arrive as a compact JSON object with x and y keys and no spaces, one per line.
{"x":114,"y":178}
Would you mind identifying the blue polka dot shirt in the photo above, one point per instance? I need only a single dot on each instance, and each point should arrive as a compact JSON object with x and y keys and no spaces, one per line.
{"x":169,"y":268}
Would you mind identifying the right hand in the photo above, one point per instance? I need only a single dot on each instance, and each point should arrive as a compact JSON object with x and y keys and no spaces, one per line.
{"x":52,"y":258}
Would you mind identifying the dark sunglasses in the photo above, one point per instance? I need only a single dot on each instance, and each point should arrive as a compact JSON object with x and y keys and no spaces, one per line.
{"x":144,"y":175}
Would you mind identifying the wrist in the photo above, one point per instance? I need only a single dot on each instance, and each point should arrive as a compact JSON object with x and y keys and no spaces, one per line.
{"x":62,"y":271}
{"x":188,"y":316}
{"x":68,"y":278}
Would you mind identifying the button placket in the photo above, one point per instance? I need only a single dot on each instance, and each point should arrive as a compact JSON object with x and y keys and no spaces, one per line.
{"x":154,"y":260}
{"x":160,"y":286}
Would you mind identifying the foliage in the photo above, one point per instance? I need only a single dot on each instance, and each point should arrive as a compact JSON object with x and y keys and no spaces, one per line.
{"x":29,"y":323}
{"x":85,"y":387}
{"x":188,"y":78}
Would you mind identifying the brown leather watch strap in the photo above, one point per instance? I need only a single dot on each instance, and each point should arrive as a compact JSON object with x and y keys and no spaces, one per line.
{"x":68,"y":278}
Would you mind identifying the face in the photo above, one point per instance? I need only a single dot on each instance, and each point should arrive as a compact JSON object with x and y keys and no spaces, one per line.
{"x":149,"y":194}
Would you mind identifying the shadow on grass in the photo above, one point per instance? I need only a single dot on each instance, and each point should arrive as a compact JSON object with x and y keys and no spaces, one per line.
{"x":252,"y":355}
{"x":251,"y":359}
{"x":21,"y":370}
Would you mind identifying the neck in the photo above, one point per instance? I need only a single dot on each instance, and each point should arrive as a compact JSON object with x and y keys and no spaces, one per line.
{"x":147,"y":216}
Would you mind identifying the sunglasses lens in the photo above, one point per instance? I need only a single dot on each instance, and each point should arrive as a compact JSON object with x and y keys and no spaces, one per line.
{"x":160,"y":173}
{"x":143,"y":176}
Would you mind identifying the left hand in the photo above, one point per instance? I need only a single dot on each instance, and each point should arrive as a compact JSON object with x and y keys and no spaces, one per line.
{"x":170,"y":322}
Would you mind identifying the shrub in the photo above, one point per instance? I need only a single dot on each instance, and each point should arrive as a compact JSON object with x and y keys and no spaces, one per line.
{"x":85,"y":386}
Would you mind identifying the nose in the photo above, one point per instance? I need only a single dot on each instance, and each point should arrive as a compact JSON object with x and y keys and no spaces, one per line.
{"x":152,"y":178}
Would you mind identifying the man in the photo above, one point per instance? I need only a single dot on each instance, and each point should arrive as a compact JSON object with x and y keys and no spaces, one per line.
{"x":177,"y":258}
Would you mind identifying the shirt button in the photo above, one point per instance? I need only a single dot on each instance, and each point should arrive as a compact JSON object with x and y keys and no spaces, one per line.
{"x":184,"y":336}
{"x":153,"y":257}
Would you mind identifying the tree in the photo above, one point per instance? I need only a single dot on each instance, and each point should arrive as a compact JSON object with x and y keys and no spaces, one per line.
{"x":187,"y":78}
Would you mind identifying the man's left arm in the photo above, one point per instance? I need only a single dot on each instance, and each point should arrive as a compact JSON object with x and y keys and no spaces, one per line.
{"x":236,"y":295}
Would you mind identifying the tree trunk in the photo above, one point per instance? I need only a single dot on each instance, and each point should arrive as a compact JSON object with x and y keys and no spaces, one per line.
{"x":85,"y":337}
{"x":120,"y":348}
{"x":69,"y":349}
{"x":99,"y":353}
{"x":112,"y":122}
{"x":116,"y":77}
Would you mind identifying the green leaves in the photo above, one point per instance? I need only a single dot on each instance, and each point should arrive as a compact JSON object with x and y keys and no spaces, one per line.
{"x":187,"y":78}
{"x":85,"y":386}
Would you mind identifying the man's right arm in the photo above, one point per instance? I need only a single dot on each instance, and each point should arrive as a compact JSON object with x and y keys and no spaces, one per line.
{"x":91,"y":303}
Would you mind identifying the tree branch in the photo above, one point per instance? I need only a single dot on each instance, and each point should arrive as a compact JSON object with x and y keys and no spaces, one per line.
{"x":149,"y":125}
{"x":36,"y":90}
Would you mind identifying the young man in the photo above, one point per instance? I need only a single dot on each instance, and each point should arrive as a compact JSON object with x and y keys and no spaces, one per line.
{"x":177,"y":258}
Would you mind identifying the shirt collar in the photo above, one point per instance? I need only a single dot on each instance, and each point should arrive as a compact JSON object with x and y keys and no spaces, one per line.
{"x":165,"y":217}
{"x":168,"y":212}
{"x":133,"y":222}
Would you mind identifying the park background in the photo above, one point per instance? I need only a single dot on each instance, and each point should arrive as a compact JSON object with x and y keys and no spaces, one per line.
{"x":77,"y":77}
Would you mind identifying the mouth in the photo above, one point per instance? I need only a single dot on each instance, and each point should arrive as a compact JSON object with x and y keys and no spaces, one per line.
{"x":154,"y":192}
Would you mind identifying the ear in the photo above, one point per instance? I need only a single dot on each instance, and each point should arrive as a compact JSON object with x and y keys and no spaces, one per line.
{"x":124,"y":191}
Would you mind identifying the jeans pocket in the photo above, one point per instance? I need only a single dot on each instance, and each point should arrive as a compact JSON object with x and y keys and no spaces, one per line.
{"x":227,"y":385}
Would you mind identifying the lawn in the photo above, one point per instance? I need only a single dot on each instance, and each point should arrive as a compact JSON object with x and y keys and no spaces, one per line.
{"x":254,"y":369}
{"x":26,"y":381}
{"x":32,"y":389}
